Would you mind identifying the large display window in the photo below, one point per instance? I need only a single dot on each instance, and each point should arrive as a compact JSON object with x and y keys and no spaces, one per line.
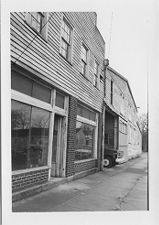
{"x":86,"y":134}
{"x":30,"y":135}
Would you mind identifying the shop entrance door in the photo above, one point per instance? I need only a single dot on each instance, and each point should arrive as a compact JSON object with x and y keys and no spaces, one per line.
{"x":57,"y":147}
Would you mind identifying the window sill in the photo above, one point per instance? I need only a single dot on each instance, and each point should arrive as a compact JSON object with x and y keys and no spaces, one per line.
{"x":66,"y":59}
{"x":85,"y":160}
{"x":89,"y":81}
{"x":37,"y":33}
{"x":16,"y":172}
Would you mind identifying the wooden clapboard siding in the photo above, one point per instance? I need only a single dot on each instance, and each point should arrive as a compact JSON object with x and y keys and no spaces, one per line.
{"x":43,"y":55}
{"x":123,"y":101}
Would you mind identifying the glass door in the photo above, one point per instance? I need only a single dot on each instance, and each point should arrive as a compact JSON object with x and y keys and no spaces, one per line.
{"x":57,"y":147}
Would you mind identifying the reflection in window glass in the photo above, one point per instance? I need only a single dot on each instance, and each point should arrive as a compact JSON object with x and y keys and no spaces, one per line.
{"x":85,"y":135}
{"x":30,"y":131}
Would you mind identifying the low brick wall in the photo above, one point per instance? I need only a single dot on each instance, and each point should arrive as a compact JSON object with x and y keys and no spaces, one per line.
{"x":85,"y":165}
{"x":29,"y":179}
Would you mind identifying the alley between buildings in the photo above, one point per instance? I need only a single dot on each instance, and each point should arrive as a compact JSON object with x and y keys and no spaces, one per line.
{"x":123,"y":187}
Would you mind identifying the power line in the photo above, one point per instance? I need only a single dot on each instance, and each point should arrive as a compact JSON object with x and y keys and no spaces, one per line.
{"x":33,"y":39}
{"x":111,"y":24}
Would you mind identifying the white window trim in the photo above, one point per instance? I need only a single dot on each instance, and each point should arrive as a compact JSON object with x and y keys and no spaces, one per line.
{"x":23,"y":98}
{"x":27,"y":170}
{"x":84,"y":120}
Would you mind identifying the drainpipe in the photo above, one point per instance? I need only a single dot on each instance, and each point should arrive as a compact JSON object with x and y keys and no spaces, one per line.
{"x":105,"y":65}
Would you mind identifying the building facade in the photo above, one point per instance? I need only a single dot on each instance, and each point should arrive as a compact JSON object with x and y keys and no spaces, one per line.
{"x":57,"y":96}
{"x":122,"y":133}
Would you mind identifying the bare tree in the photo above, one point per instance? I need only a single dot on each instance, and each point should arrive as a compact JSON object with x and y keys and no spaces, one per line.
{"x":143,"y":123}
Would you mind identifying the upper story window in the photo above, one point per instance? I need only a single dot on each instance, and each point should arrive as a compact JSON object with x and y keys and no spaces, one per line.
{"x":111,"y":93}
{"x":84,"y":55}
{"x":66,"y":41}
{"x":37,"y":21}
{"x":95,"y":77}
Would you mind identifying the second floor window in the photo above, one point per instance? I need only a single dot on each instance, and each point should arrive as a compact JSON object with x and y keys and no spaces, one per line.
{"x":84,"y":52}
{"x":66,"y":40}
{"x":37,"y":21}
{"x":95,"y":75}
{"x":111,"y":93}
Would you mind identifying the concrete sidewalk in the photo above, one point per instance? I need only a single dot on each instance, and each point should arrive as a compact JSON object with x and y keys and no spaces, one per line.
{"x":121,"y":188}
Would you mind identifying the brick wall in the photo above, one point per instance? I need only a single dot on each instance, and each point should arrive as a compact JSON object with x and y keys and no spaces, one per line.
{"x":29,"y":179}
{"x":83,"y":166}
{"x":71,"y":137}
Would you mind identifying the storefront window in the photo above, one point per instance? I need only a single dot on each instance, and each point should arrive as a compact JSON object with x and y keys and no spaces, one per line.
{"x":85,"y":136}
{"x":30,"y":132}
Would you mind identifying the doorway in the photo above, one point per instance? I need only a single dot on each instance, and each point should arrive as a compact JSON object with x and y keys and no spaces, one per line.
{"x":57,"y":147}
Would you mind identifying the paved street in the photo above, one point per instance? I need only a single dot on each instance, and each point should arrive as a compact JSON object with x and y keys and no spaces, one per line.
{"x":121,"y":188}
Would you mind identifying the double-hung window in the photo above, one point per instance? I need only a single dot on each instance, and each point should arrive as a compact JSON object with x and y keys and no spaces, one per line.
{"x":66,"y":37}
{"x":95,"y":75}
{"x":84,"y":55}
{"x":37,"y":21}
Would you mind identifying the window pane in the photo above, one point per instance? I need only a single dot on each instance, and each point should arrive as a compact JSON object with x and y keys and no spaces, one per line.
{"x":83,"y":68}
{"x":21,"y":83}
{"x":36,"y":20}
{"x":41,"y":92}
{"x":20,"y":125}
{"x":39,"y":137}
{"x":60,"y":100}
{"x":85,"y":135}
{"x":30,"y":132}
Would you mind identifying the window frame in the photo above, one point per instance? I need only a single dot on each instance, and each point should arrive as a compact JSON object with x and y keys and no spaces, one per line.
{"x":44,"y":25}
{"x":94,"y":124}
{"x":111,"y":91}
{"x":52,"y":109}
{"x":69,"y":44}
{"x":84,"y":46}
{"x":95,"y":73}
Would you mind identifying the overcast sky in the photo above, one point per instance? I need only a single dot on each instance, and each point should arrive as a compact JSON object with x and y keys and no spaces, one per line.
{"x":130,"y":27}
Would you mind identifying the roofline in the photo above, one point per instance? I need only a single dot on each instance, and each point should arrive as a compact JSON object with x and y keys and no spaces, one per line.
{"x":122,"y":77}
{"x":100,"y":34}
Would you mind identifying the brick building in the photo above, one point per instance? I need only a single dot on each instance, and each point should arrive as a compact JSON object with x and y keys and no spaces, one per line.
{"x":122,"y":133}
{"x":57,"y":96}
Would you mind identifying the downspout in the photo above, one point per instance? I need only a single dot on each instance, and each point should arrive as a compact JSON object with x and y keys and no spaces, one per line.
{"x":105,"y":65}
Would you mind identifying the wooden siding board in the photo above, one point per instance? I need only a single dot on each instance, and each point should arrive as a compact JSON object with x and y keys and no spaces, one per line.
{"x":70,"y":77}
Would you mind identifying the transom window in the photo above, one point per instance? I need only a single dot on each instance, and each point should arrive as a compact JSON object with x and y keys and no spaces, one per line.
{"x":84,"y":52}
{"x":66,"y":40}
{"x":30,"y":87}
{"x":95,"y":77}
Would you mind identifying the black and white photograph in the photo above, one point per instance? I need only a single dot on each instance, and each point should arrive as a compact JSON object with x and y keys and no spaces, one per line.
{"x":77,"y":83}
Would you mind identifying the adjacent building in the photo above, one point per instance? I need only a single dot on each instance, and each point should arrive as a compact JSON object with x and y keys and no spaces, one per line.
{"x":122,"y":135}
{"x":68,"y":112}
